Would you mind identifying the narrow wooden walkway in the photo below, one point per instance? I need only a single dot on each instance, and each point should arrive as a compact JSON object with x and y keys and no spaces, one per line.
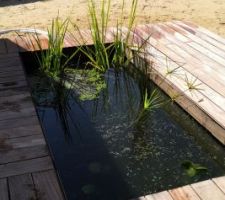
{"x":26,"y":168}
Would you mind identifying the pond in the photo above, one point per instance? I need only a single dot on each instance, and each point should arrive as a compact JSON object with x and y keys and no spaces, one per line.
{"x":102,"y":149}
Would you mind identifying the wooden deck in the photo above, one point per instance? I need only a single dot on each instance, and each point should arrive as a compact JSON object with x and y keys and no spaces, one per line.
{"x":188,"y":62}
{"x":206,"y":190}
{"x":185,"y":60}
{"x":26,"y":168}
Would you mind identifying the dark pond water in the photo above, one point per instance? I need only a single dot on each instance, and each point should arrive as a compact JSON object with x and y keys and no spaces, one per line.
{"x":101,"y":152}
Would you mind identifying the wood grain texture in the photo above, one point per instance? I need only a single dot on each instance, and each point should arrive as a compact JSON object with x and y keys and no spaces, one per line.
{"x":20,"y":131}
{"x":23,"y":148}
{"x":208,"y":190}
{"x":4,"y":189}
{"x":47,"y":185}
{"x":18,"y":122}
{"x":27,"y":166}
{"x":220,"y":182}
{"x":21,"y":187}
{"x":20,"y":154}
{"x":184,"y":193}
{"x":162,"y":196}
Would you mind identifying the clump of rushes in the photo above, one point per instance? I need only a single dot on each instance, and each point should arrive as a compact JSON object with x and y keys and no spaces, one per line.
{"x":53,"y":64}
{"x":52,"y":60}
{"x":114,"y":55}
{"x":98,"y":56}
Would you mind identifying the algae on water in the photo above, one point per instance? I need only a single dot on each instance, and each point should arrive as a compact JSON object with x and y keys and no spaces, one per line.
{"x":81,"y":83}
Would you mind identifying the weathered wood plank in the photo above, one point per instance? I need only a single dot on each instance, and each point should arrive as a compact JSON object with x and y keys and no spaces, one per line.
{"x":19,"y":122}
{"x":149,"y":197}
{"x":207,"y":190}
{"x":17,"y":98}
{"x":12,"y":78}
{"x":220,"y":182}
{"x":204,"y":31}
{"x":8,"y":67}
{"x":12,"y":84}
{"x":3,"y":49}
{"x":47,"y":183}
{"x":21,"y":187}
{"x":13,"y":91}
{"x":162,"y":196}
{"x":20,"y":131}
{"x":192,"y":63}
{"x":20,"y":154}
{"x":9,"y":55}
{"x":211,"y":49}
{"x":9,"y":113}
{"x":201,"y":35}
{"x":184,"y":193}
{"x":21,"y":142}
{"x":181,"y":73}
{"x":27,"y":166}
{"x":4,"y":189}
{"x":11,"y":74}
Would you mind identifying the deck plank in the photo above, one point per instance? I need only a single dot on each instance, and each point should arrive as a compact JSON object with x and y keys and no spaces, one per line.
{"x":201,"y":45}
{"x":208,"y":190}
{"x":220,"y":182}
{"x":21,"y":187}
{"x":205,"y":37}
{"x":184,"y":193}
{"x":191,"y":61}
{"x":21,"y":142}
{"x":27,"y":166}
{"x":26,"y":153}
{"x":162,"y":196}
{"x":4,"y":189}
{"x":149,"y":197}
{"x":204,"y":31}
{"x":18,"y":122}
{"x":47,"y":183}
{"x":18,"y":112}
{"x":20,"y":131}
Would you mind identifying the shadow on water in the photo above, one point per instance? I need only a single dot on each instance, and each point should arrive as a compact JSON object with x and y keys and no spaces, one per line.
{"x":102,"y":151}
{"x":85,"y":166}
{"x":4,"y":3}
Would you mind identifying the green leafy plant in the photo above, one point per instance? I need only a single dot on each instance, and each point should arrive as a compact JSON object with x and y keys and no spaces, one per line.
{"x":193,"y":169}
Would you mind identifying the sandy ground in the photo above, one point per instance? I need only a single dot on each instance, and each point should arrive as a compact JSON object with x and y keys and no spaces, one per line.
{"x":38,"y":14}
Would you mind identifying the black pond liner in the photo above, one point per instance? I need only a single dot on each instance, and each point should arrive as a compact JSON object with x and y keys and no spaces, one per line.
{"x":100,"y":154}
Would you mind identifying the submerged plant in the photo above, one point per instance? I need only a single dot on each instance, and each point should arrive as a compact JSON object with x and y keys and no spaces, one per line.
{"x":193,"y":169}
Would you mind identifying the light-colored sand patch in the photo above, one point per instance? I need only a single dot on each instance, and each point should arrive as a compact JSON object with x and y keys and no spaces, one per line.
{"x":38,"y":14}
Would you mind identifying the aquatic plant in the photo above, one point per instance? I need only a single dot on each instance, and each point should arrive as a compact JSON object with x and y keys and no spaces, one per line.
{"x":193,"y":169}
{"x":103,"y":56}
